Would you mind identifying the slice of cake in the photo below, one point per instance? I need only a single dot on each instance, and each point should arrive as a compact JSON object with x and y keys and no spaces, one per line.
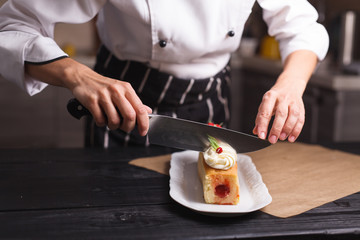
{"x":217,"y":169}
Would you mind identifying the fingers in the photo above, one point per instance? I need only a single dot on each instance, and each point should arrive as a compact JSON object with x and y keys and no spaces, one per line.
{"x":288,"y":123}
{"x":143,"y":119}
{"x":132,"y":110}
{"x":294,"y":134}
{"x":264,"y":115}
{"x":105,"y":98}
{"x":293,"y":123}
{"x":116,"y":104}
{"x":289,"y":118}
{"x":281,"y":115}
{"x":103,"y":111}
{"x":112,"y":116}
{"x":96,"y":112}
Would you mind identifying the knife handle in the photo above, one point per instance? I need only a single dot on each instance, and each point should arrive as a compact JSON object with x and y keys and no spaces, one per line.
{"x":76,"y":109}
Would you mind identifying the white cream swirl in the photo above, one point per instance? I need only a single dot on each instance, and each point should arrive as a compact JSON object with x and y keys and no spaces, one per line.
{"x":224,"y":160}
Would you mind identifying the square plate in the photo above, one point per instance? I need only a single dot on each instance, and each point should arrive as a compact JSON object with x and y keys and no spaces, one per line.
{"x":186,"y":187}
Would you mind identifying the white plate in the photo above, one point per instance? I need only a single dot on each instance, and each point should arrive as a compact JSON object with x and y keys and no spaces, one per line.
{"x":186,"y":188}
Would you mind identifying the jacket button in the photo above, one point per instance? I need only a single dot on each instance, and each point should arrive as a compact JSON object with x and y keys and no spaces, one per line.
{"x":231,"y":33}
{"x":162,"y":43}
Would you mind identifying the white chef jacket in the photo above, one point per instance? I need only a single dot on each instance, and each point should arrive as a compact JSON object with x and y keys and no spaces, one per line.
{"x":195,"y":32}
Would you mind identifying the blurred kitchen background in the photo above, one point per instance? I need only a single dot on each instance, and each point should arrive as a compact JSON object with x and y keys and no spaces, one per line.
{"x":332,"y":98}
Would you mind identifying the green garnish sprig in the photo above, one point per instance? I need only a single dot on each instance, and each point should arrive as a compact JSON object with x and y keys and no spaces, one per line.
{"x":213,"y":142}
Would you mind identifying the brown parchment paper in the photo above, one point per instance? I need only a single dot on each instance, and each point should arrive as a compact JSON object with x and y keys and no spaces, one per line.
{"x":299,"y":176}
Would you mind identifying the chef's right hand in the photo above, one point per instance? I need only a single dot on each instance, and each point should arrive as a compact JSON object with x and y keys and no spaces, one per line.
{"x":100,"y":95}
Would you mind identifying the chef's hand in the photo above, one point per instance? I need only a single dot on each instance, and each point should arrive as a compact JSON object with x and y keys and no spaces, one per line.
{"x":284,"y":100}
{"x":286,"y":104}
{"x":100,"y":95}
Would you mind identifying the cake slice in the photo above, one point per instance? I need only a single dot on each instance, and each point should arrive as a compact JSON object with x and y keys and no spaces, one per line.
{"x":219,"y":186}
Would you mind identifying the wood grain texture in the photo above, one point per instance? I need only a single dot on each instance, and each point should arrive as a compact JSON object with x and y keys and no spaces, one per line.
{"x":172,"y":221}
{"x":96,"y":194}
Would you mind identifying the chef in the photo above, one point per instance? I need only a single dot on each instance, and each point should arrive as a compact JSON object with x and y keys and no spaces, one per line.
{"x":161,"y":56}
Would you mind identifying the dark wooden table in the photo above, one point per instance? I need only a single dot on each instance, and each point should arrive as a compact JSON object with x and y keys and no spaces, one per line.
{"x":96,"y":194}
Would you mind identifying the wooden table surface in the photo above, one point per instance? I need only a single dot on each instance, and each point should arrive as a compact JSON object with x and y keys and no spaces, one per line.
{"x":96,"y":194}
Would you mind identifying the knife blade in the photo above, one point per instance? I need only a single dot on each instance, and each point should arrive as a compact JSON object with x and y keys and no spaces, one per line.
{"x":185,"y":134}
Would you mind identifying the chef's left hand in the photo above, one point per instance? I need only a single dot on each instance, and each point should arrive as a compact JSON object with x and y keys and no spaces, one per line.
{"x":284,"y":100}
{"x":286,"y":105}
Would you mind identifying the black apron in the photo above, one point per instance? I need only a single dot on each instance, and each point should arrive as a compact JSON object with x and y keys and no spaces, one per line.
{"x":201,"y":100}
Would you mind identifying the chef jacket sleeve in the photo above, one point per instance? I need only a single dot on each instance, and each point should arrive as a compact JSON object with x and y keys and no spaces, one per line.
{"x":27,"y":31}
{"x":294,"y":25}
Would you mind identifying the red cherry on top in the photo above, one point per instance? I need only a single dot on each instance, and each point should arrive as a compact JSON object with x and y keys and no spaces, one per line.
{"x":219,"y":150}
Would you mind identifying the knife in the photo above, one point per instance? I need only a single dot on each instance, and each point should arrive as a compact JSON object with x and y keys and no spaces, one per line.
{"x":185,"y":134}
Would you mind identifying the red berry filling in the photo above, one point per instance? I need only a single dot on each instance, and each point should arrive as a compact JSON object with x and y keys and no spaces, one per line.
{"x":222,"y":190}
